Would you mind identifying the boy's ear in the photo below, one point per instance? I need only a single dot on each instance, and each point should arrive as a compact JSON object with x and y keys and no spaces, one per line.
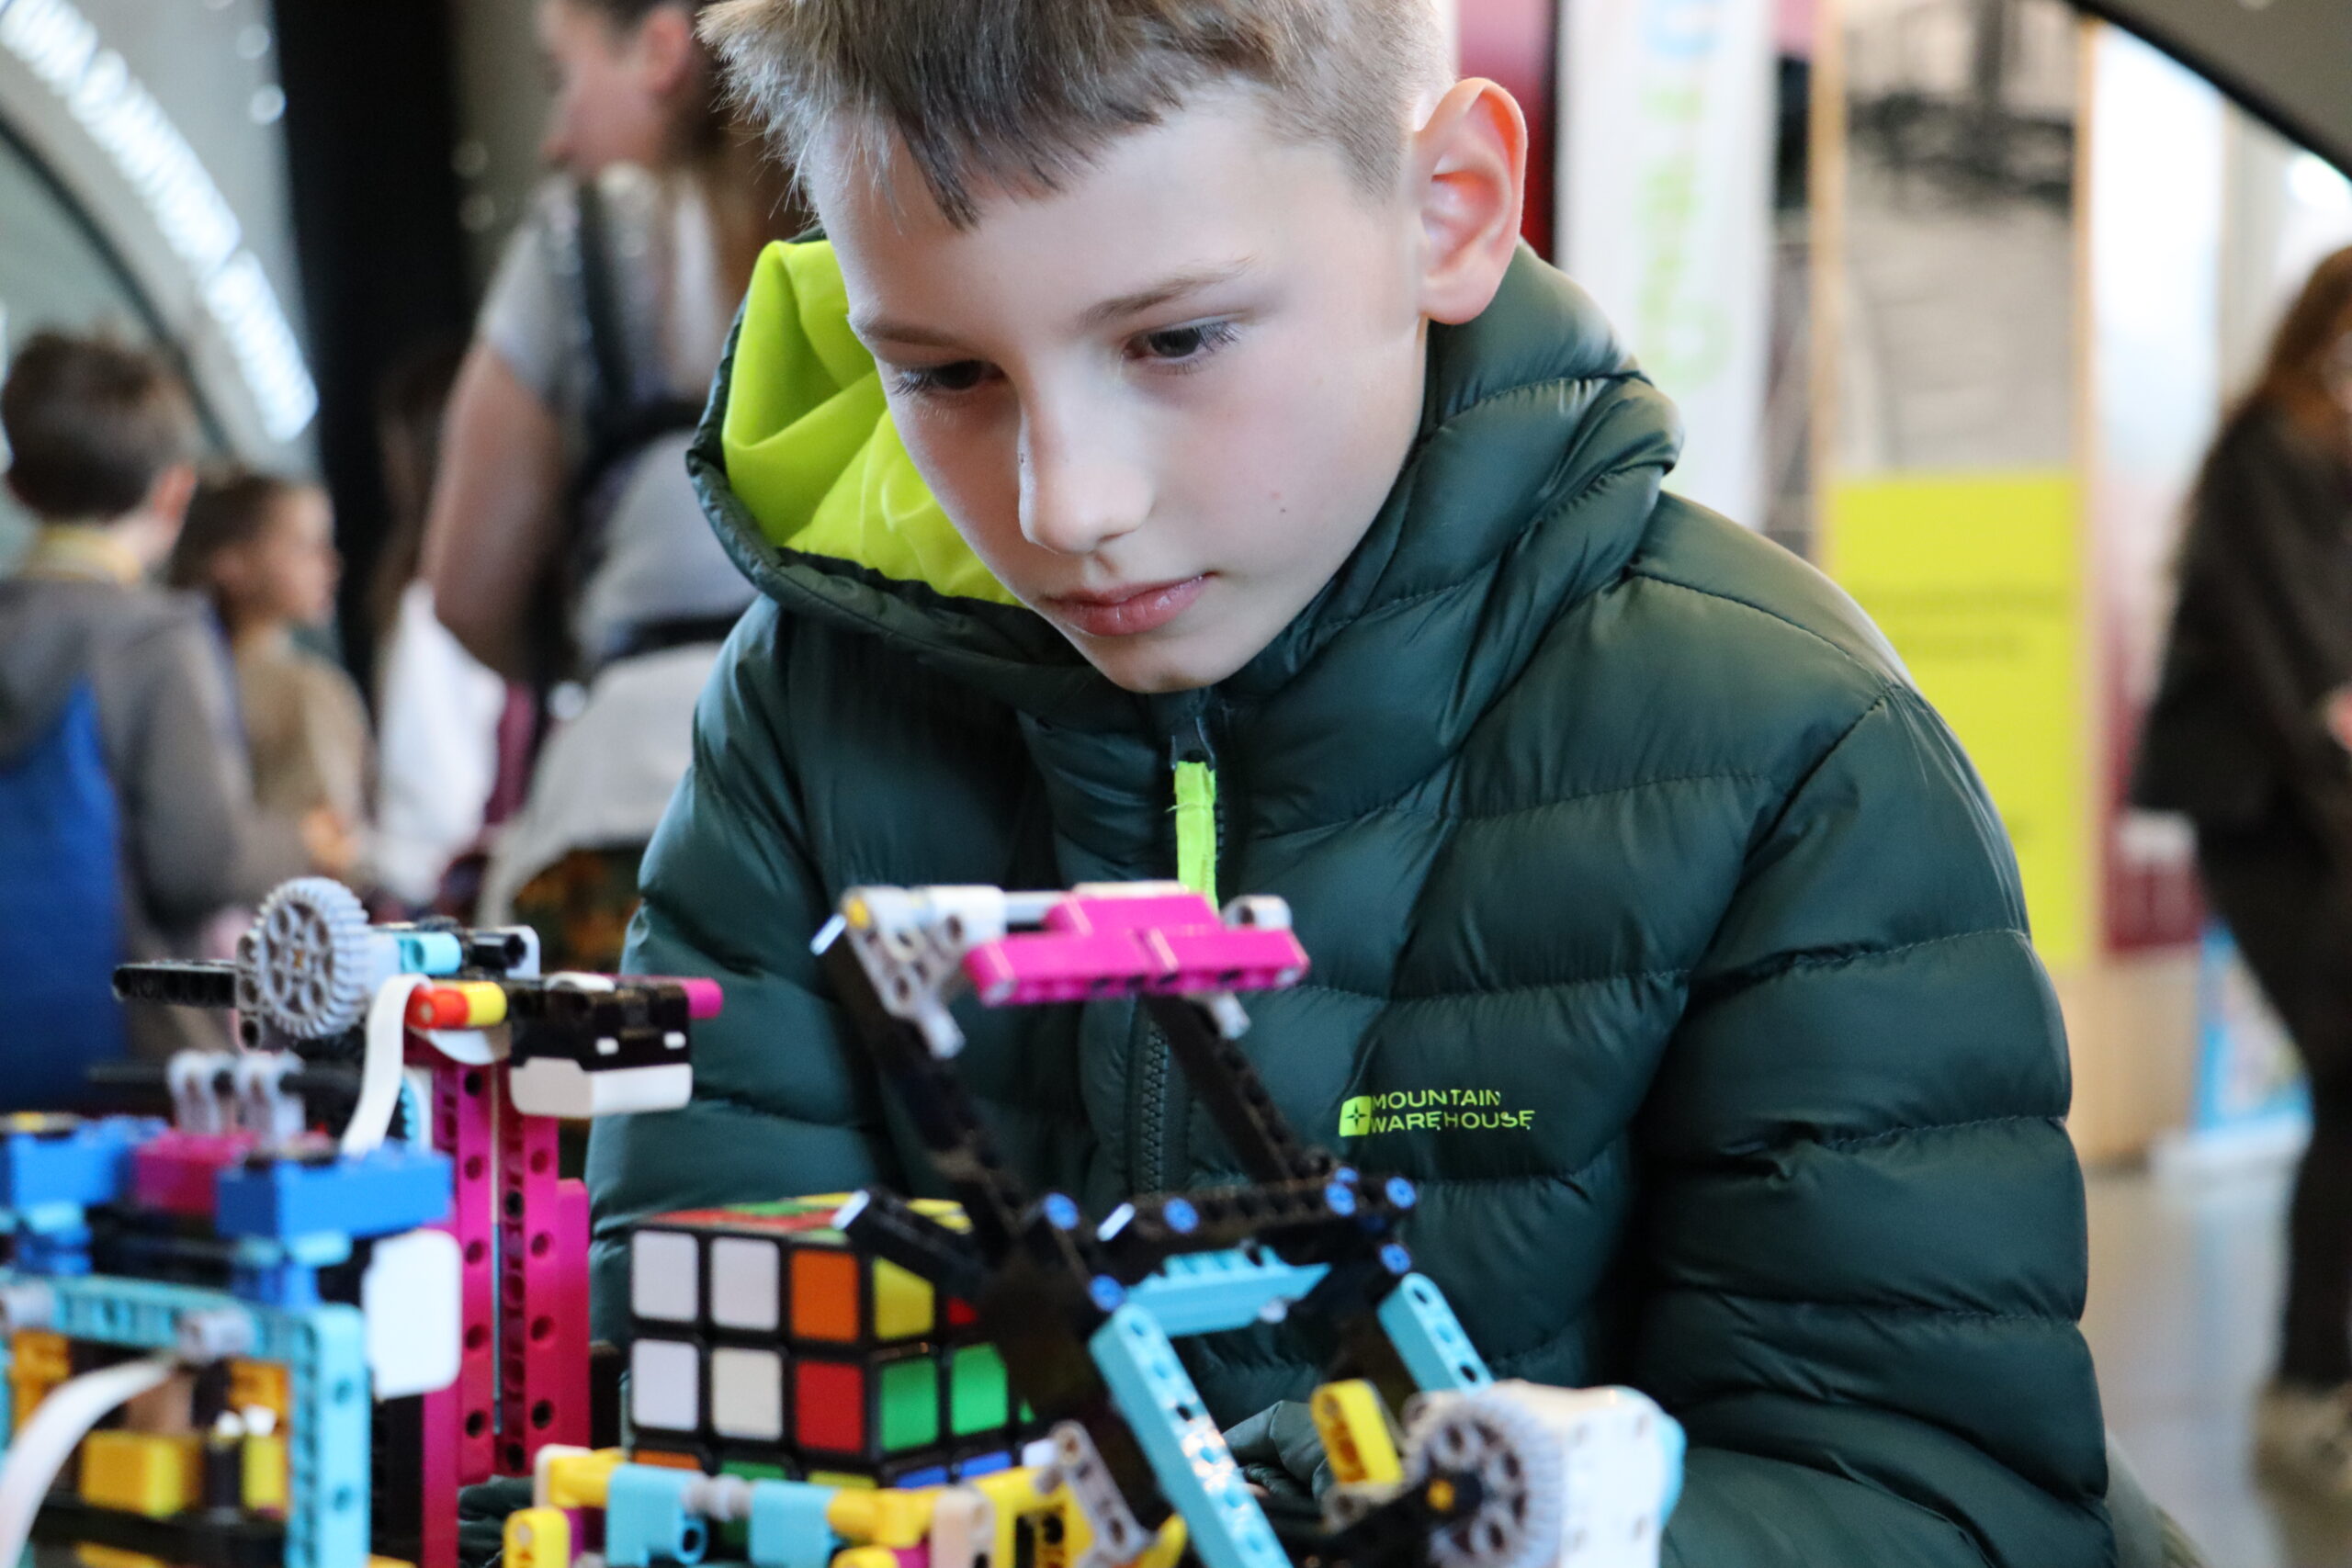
{"x":666,"y":48}
{"x":168,"y":497}
{"x":1468,"y":164}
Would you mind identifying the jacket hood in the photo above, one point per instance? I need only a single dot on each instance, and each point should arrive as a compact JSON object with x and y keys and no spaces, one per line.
{"x":44,"y":654}
{"x":1539,"y":455}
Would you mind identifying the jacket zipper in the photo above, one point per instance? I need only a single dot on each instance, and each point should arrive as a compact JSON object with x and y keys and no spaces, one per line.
{"x":1159,"y":1159}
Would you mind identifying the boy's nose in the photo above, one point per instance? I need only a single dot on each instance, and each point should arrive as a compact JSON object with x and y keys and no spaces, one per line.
{"x":1074,"y":501}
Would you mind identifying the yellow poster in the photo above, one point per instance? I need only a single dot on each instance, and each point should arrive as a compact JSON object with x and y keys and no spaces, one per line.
{"x":1978,"y":580}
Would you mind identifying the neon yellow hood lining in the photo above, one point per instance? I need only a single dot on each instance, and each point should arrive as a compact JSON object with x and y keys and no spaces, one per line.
{"x":810,"y":449}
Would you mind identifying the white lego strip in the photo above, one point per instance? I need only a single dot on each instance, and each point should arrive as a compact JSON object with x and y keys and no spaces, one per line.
{"x":48,"y":1440}
{"x":379,"y":1069}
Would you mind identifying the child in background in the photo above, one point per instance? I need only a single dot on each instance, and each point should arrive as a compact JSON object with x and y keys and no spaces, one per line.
{"x":127,"y":822}
{"x":262,"y":548}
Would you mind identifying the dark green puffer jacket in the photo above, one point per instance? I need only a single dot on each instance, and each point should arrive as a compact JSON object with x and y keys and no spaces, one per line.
{"x":1669,"y":933}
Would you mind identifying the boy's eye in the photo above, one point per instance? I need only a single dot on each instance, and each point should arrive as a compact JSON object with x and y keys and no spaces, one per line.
{"x":962,"y":375}
{"x":1177,"y":345}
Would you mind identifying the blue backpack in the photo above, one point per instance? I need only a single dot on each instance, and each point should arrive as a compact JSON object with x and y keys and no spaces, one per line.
{"x":60,"y":913}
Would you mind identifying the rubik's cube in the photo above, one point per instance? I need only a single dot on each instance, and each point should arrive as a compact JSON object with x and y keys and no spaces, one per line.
{"x":763,"y":1343}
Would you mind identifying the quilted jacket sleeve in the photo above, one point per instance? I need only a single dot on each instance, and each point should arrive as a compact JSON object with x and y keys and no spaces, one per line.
{"x":1867,"y":1246}
{"x":780,"y":1106}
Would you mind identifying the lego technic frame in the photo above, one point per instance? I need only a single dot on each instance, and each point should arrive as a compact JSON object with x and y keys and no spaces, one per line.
{"x":442,"y":1282}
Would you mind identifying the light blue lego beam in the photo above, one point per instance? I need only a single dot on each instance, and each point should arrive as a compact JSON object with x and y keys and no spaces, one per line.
{"x":1207,"y":1292}
{"x":324,"y":1349}
{"x":1430,"y":1339}
{"x":1196,"y":1469}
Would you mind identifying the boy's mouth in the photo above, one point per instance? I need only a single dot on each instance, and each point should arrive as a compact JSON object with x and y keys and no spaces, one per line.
{"x":1126,"y":612}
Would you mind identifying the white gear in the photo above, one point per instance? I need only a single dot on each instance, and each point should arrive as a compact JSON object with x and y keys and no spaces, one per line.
{"x":310,"y":964}
{"x":1581,"y":1478}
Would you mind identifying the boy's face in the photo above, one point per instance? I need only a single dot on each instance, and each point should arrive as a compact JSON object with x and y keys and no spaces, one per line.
{"x":1163,"y":404}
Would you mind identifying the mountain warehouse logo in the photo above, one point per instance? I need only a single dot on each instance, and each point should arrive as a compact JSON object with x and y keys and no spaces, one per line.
{"x":1429,"y":1110}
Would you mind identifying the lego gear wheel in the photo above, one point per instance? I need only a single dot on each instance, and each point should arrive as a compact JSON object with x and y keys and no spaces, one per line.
{"x":1516,"y":1454}
{"x":309,"y":963}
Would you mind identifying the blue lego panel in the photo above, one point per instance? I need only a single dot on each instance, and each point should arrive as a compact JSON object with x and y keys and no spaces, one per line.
{"x":788,"y":1525}
{"x":48,"y":1164}
{"x":646,"y":1519}
{"x":1428,"y":1337}
{"x":388,"y":1190}
{"x":1207,"y":1292}
{"x":1196,"y":1470}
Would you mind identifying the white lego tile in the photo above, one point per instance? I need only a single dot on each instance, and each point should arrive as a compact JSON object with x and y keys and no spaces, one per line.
{"x":664,"y":1386}
{"x":411,"y":1295}
{"x":746,"y":1279}
{"x":664,"y":1277}
{"x":747,"y":1394}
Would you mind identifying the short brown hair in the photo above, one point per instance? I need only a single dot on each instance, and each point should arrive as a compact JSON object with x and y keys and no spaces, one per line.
{"x":1025,"y":93}
{"x":92,"y":424}
{"x":232,"y":506}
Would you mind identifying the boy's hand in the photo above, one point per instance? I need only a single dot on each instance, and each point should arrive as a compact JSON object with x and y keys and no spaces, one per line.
{"x":1280,"y":1451}
{"x":2335,"y":712}
{"x":328,"y":839}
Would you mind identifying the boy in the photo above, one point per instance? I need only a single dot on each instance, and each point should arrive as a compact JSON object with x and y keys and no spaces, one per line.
{"x":1172,"y":421}
{"x":130,"y":821}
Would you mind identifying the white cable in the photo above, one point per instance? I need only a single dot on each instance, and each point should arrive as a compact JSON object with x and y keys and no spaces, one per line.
{"x":379,"y":1069}
{"x":44,"y":1443}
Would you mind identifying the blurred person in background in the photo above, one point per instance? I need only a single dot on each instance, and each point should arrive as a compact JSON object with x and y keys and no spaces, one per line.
{"x":261,"y":548}
{"x":2250,"y":735}
{"x":437,"y":708}
{"x":127,"y":816}
{"x":565,"y":541}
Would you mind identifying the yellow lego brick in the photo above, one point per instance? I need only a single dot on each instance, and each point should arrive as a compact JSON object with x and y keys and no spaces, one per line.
{"x":1061,"y":1535}
{"x":881,"y":1518}
{"x":262,"y":1384}
{"x":143,"y":1472}
{"x":1167,"y":1548}
{"x":1354,"y":1425}
{"x":485,"y":1003}
{"x":865,"y":1557}
{"x":262,"y":1466}
{"x":904,"y":1305}
{"x":541,"y":1538}
{"x":581,"y":1480}
{"x":389,"y":1562}
{"x":1014,"y":1494}
{"x":38,"y":1361}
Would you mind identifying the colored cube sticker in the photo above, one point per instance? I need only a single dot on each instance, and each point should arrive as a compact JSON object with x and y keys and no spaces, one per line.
{"x":910,"y":1403}
{"x":664,"y":1386}
{"x":746,"y":1284}
{"x":826,"y":1299}
{"x":979,"y":1399}
{"x":829,"y":1407}
{"x":747,"y":1394}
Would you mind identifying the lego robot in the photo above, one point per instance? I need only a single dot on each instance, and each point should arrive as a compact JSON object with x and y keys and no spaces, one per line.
{"x":887,"y":1384}
{"x":304,"y":1337}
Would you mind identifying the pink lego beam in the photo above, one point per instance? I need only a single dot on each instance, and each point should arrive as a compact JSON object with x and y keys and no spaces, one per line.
{"x":543,"y":1294}
{"x":1170,"y":944}
{"x":460,"y":1446}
